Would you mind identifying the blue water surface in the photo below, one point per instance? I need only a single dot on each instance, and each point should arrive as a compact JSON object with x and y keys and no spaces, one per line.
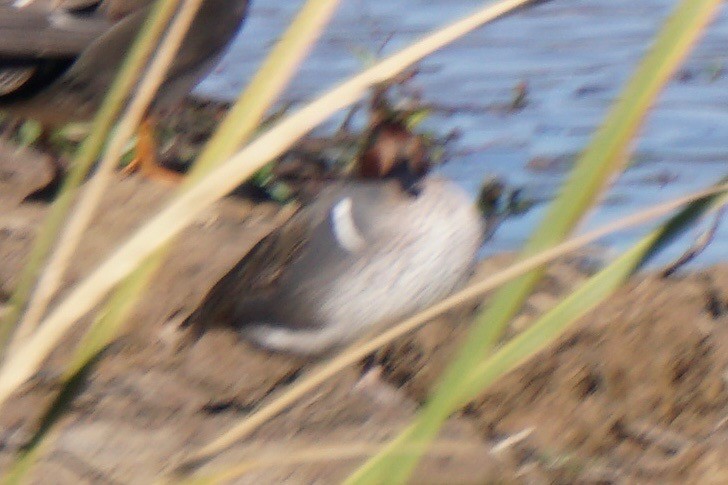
{"x":574,"y":56}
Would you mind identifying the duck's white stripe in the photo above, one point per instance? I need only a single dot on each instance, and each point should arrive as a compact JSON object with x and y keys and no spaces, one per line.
{"x":345,"y":230}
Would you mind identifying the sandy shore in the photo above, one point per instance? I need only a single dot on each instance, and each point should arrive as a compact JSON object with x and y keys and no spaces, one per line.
{"x":636,"y":392}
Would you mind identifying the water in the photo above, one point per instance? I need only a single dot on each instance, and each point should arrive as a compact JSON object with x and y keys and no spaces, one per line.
{"x":574,"y":57}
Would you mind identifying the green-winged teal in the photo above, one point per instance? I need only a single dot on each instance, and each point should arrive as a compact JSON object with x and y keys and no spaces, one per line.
{"x":364,"y":254}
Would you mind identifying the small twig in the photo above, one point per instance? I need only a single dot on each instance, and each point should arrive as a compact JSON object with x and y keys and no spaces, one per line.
{"x":698,"y":246}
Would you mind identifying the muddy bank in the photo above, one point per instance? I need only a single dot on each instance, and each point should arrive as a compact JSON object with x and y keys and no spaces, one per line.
{"x":636,"y":392}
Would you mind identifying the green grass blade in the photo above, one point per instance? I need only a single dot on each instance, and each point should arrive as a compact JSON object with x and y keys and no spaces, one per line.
{"x":605,"y":156}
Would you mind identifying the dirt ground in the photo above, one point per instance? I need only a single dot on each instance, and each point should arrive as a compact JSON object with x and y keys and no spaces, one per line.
{"x":635,"y":393}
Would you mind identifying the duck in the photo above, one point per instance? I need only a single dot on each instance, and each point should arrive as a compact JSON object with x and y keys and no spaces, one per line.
{"x":58,"y":58}
{"x":364,"y":254}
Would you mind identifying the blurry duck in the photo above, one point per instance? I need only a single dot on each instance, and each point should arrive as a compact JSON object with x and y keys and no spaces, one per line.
{"x":58,"y":58}
{"x":364,"y":254}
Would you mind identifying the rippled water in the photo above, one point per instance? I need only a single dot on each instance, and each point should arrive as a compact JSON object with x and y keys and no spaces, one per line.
{"x":574,"y":57}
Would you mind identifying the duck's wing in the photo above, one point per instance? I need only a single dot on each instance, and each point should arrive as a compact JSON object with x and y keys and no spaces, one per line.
{"x":37,"y":47}
{"x":118,"y":9}
{"x":296,"y":260}
{"x":215,"y":25}
{"x":27,"y":34}
{"x":333,"y":230}
{"x":256,"y":277}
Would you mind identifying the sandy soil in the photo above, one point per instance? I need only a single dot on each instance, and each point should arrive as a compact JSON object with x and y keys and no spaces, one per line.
{"x":636,"y":392}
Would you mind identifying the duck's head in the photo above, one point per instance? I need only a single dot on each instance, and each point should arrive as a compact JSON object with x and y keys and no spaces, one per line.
{"x":394,"y":152}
